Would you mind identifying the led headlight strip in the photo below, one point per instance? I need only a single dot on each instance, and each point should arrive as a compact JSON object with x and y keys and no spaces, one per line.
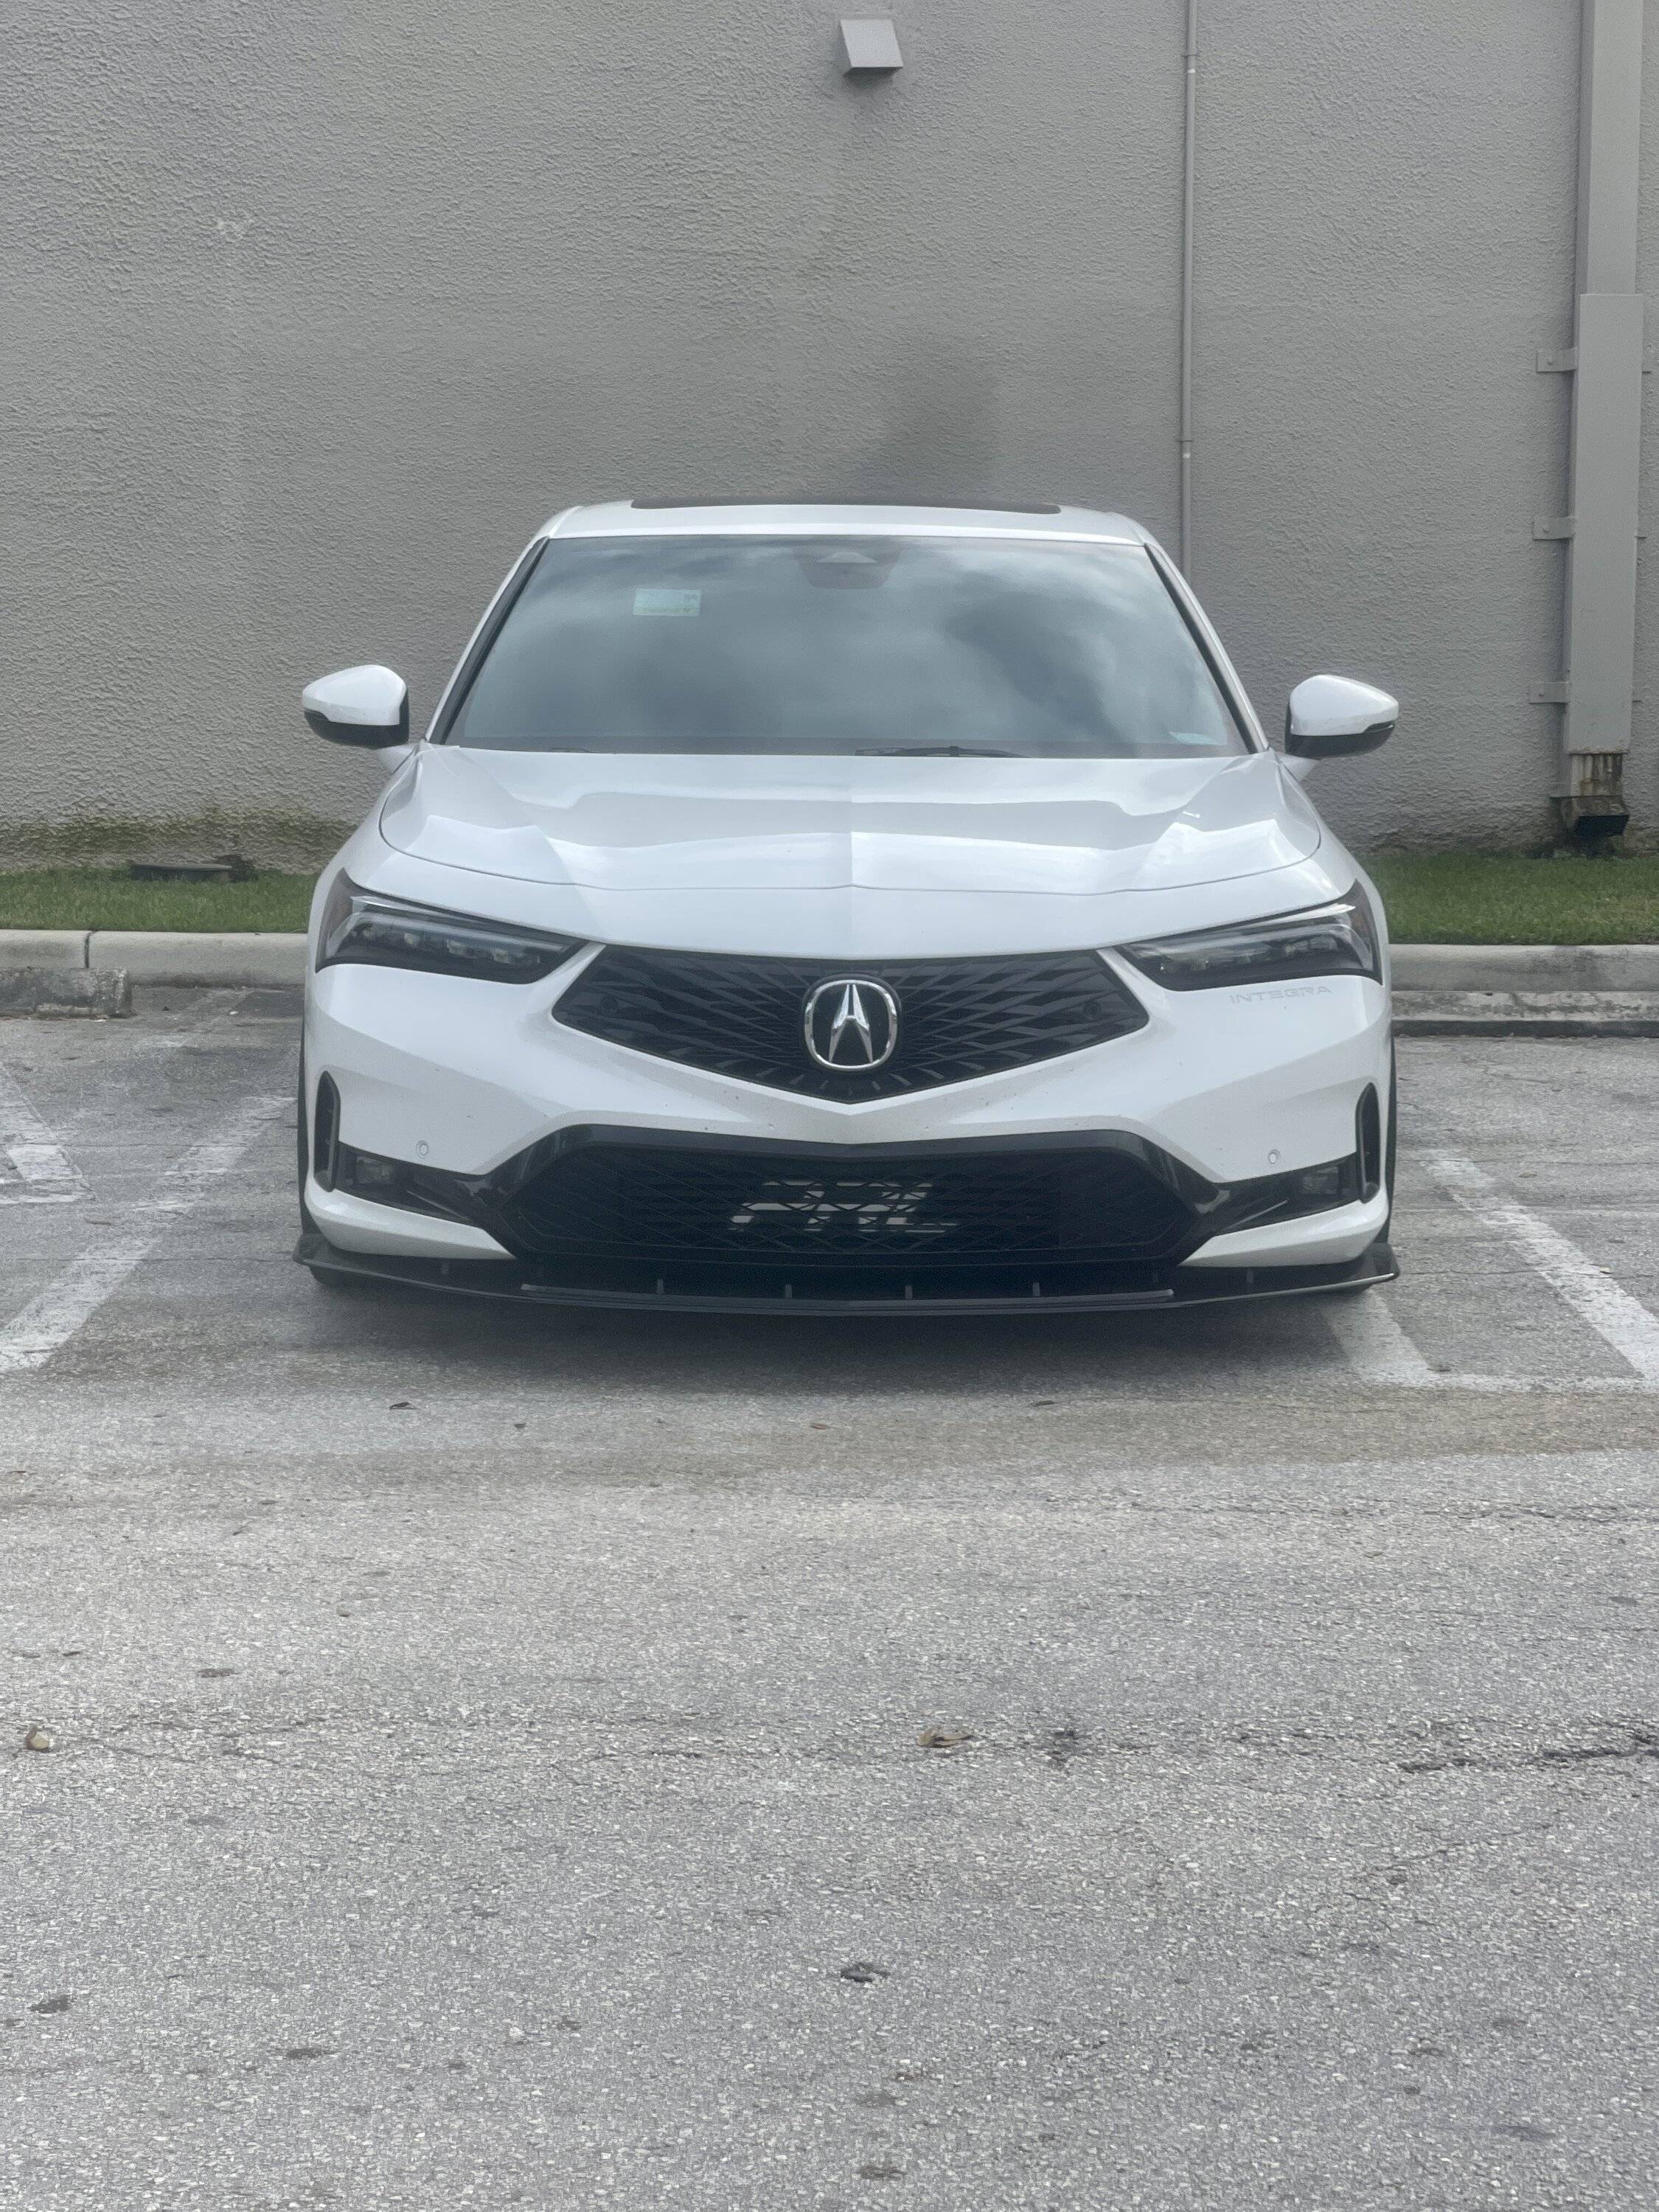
{"x":1342,"y":939}
{"x":373,"y":931}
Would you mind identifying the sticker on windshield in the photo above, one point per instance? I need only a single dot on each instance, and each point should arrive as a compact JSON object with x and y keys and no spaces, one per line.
{"x":650,"y":602}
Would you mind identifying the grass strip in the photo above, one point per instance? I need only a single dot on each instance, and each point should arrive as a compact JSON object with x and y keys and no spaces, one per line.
{"x":99,"y":898}
{"x":1433,"y":898}
{"x":1506,"y":898}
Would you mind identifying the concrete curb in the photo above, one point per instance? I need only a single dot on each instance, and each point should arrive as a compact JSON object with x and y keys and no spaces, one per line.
{"x":1493,"y":973}
{"x":252,"y":958}
{"x":183,"y":955}
{"x":42,"y":948}
{"x":1525,"y":967}
{"x":1526,"y":1014}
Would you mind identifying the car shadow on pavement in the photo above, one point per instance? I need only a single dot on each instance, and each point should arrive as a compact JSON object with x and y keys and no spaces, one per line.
{"x":954,"y":1356}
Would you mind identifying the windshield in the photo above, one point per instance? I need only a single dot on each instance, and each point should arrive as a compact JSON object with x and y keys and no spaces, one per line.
{"x":831,"y":645}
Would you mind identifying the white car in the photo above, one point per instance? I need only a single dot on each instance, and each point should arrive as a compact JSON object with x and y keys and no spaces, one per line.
{"x":849,"y":908}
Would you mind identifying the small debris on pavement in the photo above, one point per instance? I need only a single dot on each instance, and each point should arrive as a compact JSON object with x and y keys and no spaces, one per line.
{"x":399,"y":1405}
{"x":943,"y":1739}
{"x":37,"y":1739}
{"x":862,"y":1969}
{"x":515,"y":2035}
{"x":52,"y":2004}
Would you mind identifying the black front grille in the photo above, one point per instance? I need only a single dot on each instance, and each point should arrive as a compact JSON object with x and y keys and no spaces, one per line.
{"x":957,"y":1018}
{"x":619,"y":1193}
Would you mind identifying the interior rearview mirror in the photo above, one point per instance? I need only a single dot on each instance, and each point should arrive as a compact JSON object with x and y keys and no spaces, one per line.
{"x":1329,"y":715}
{"x":367,"y":705}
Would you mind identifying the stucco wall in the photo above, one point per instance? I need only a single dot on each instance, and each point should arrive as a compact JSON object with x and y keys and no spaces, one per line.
{"x":1642,"y":770}
{"x":312,"y":313}
{"x":1389,"y":208}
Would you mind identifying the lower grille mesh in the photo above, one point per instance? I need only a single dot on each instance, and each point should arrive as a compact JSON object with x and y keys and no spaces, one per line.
{"x":792,"y":1204}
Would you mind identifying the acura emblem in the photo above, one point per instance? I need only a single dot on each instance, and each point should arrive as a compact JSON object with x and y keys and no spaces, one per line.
{"x":851,"y":1022}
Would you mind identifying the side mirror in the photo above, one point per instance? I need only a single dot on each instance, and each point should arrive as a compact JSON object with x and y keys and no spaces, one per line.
{"x":1329,"y":715}
{"x":367,"y":705}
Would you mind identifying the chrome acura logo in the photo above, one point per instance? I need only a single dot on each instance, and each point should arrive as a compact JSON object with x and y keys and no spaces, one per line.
{"x":851,"y":1022}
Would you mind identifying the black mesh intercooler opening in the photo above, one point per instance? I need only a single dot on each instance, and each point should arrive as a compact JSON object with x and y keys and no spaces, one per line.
{"x":853,"y":1206}
{"x":957,"y":1019}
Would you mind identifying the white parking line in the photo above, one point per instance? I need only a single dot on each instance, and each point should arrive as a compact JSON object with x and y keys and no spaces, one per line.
{"x":216,"y":1010}
{"x":48,"y":1321}
{"x":52,"y":1317}
{"x":1618,"y":1318}
{"x":1375,"y":1347}
{"x":46,"y":1174}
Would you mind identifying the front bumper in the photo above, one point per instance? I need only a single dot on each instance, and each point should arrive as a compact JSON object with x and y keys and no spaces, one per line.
{"x":461,"y":1083}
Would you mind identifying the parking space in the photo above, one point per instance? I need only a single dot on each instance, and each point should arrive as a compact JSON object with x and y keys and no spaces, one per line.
{"x":146,"y":1193}
{"x":520,"y":1757}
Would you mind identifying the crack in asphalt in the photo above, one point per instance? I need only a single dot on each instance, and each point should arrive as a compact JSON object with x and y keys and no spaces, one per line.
{"x":1423,"y":1749}
{"x":1637,"y":1743}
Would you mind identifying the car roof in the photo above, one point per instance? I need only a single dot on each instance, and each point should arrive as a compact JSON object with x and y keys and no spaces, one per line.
{"x":720,"y":518}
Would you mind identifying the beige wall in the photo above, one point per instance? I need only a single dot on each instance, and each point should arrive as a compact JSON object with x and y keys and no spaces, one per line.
{"x":314,"y":313}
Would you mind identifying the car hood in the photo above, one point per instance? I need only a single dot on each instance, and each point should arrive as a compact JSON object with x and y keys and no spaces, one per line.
{"x":657,"y":822}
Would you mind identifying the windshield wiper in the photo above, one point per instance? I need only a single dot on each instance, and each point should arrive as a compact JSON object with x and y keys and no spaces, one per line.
{"x":937,"y":752}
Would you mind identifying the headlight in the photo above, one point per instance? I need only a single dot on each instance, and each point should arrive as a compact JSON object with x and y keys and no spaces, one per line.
{"x":388,"y":932}
{"x":1339,"y":939}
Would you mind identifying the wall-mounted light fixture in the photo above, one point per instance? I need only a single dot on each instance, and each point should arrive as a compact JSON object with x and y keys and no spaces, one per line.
{"x":871,"y":45}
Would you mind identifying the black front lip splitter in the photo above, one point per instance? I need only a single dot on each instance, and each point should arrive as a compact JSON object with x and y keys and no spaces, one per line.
{"x":527,"y":1284}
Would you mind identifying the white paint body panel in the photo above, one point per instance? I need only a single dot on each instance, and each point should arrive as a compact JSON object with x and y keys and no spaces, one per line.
{"x":848,"y":859}
{"x":1317,"y":1240}
{"x":357,"y":1225}
{"x":655,"y":823}
{"x":1338,"y":706}
{"x":367,"y":697}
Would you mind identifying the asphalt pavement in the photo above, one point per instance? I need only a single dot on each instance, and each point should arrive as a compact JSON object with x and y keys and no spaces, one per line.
{"x":1195,"y":1760}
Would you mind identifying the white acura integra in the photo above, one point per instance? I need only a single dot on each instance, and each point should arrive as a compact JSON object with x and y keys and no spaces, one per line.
{"x":846,"y":908}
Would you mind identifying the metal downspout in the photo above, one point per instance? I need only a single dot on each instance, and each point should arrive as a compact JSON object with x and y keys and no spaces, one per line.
{"x":1189,"y":149}
{"x":1605,"y":362}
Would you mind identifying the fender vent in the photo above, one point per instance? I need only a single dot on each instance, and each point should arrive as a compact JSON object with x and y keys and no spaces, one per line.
{"x":1368,"y":1142}
{"x":326,"y":1132}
